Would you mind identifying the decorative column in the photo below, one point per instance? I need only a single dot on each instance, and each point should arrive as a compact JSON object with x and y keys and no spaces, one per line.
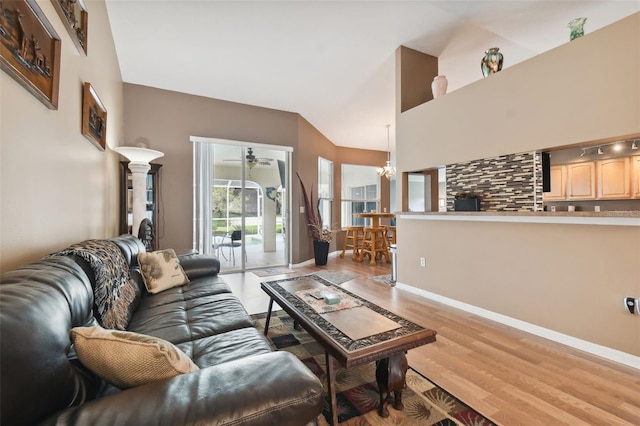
{"x":139,"y":159}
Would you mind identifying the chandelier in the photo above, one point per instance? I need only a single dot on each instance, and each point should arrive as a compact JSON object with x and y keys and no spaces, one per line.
{"x":387,"y":170}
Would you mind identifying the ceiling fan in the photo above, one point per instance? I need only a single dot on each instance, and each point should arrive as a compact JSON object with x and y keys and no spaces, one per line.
{"x":251,"y":160}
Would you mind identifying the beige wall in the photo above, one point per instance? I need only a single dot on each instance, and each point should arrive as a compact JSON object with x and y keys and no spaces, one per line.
{"x":585,"y":90}
{"x":166,"y":120}
{"x":566,"y":278}
{"x":415,"y":71}
{"x":57,"y":187}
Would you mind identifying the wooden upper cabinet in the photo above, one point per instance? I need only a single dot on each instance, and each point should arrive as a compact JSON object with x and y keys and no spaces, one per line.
{"x":581,"y":179}
{"x":635,"y":177}
{"x":558,"y":178}
{"x":614,"y":178}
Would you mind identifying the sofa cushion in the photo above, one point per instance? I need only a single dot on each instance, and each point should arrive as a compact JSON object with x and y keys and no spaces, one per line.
{"x":191,"y":319}
{"x":197,"y":288}
{"x":130,"y":247}
{"x":225,"y":347}
{"x":161,"y":270}
{"x":128,"y":359}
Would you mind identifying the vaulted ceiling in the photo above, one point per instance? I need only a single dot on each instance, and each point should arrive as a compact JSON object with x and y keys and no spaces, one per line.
{"x":330,"y":61}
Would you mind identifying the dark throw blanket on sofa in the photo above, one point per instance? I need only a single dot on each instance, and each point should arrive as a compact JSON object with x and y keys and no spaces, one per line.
{"x":114,"y":291}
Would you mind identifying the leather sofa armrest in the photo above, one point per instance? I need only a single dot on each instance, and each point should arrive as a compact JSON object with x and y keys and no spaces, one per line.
{"x":274,"y":388}
{"x":199,"y":265}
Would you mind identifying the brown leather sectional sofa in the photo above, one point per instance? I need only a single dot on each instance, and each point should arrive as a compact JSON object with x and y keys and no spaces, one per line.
{"x":240,"y":380}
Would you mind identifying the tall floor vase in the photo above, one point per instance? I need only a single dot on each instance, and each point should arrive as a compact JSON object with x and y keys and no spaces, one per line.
{"x":321,"y":252}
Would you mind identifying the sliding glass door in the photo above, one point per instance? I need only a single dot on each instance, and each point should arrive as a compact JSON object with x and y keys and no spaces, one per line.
{"x":246,"y":206}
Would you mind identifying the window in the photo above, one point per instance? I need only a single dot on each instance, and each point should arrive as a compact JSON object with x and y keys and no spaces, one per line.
{"x":325,"y":190}
{"x":360,"y":192}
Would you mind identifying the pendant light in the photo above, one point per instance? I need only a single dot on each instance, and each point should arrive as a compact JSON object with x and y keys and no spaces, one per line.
{"x":387,"y":170}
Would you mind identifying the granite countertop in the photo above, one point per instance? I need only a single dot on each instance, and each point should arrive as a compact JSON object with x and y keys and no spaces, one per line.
{"x":612,"y":218}
{"x":628,"y":213}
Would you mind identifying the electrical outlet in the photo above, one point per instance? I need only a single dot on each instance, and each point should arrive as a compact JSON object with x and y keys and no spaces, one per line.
{"x":423,"y":262}
{"x":301,"y":209}
{"x":632,"y":305}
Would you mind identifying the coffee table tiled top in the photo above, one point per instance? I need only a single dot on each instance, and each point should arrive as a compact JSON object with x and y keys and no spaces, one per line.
{"x":353,"y":336}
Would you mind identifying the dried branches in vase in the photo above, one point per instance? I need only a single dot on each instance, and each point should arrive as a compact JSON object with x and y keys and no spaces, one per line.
{"x":314,"y":220}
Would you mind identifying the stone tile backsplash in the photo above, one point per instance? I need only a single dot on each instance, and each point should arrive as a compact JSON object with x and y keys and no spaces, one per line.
{"x":506,"y":183}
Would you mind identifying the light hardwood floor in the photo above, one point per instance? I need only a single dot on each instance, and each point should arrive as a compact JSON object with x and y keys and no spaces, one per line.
{"x":511,"y":377}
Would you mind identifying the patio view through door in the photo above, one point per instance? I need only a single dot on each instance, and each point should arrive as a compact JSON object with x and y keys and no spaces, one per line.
{"x":241,"y":203}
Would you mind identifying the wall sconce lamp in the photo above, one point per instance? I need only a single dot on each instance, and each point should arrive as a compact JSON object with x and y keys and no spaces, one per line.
{"x":139,"y":159}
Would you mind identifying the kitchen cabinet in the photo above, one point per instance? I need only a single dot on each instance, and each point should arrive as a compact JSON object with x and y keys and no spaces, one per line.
{"x":614,"y":178}
{"x":581,"y":181}
{"x":558,"y":181}
{"x":635,"y":185}
{"x":126,"y":196}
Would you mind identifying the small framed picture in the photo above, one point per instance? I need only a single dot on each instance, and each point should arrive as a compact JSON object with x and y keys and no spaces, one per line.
{"x":30,"y":49}
{"x":75,"y":18}
{"x":94,"y":117}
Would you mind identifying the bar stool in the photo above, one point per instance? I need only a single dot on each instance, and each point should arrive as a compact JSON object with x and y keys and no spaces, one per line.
{"x":390,"y":234}
{"x":375,"y":245}
{"x":352,"y":240}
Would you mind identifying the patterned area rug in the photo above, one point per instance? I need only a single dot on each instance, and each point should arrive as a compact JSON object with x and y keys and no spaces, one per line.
{"x":382,"y":279}
{"x":272,"y":271}
{"x":336,"y":277}
{"x":425,"y":403}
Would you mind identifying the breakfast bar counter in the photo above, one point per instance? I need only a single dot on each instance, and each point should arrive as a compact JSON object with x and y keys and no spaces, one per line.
{"x":613,"y":218}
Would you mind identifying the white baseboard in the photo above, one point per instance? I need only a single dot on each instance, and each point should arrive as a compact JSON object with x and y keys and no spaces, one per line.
{"x":583,"y":345}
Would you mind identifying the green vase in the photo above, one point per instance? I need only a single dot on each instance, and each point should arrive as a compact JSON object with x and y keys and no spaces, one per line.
{"x":577,"y":28}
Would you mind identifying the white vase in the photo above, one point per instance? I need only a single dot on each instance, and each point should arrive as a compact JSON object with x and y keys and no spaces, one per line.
{"x":439,"y":86}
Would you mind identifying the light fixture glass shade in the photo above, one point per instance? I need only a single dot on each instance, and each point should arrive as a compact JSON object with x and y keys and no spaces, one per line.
{"x":634,"y":145}
{"x":138,"y":155}
{"x":387,"y":171}
{"x":600,"y":152}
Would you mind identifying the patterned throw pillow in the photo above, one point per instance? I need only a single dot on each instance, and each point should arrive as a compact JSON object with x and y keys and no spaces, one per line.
{"x":128,"y":359}
{"x":161,"y":270}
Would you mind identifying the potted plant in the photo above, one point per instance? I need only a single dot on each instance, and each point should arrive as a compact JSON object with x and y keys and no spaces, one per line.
{"x":467,"y":201}
{"x":321,"y":235}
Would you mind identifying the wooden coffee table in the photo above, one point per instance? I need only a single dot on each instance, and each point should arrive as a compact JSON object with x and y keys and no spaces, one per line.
{"x":351,"y":336}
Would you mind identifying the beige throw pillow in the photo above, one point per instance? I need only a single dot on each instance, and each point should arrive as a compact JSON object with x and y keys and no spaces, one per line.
{"x":128,"y":359}
{"x":161,"y":270}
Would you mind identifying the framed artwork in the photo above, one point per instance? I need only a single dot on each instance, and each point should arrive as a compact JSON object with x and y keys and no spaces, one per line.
{"x":75,"y":18}
{"x":30,"y":49}
{"x":94,"y":117}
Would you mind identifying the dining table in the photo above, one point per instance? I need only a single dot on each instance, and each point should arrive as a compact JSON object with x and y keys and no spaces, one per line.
{"x":375,"y":217}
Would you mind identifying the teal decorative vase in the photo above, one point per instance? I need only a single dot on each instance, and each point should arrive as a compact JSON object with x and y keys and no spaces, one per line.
{"x":492,"y":61}
{"x":577,"y":28}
